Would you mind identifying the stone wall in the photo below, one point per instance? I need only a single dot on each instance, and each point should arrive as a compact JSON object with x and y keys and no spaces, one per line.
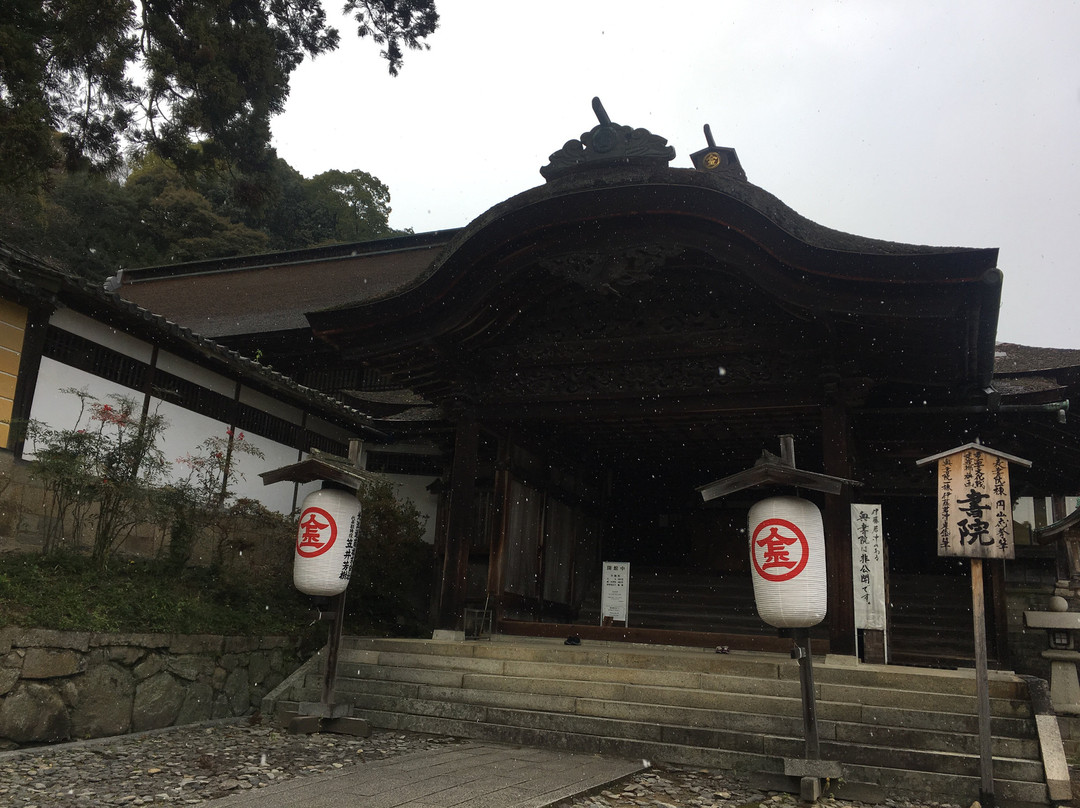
{"x":57,"y":686}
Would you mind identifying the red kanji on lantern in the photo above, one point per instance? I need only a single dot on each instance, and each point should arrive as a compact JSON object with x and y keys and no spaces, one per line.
{"x":780,"y":549}
{"x":317,"y":533}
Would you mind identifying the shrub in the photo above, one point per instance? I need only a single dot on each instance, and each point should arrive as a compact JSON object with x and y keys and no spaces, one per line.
{"x":99,"y":474}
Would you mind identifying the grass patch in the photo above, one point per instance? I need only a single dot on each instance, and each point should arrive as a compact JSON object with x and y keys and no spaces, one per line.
{"x":67,"y":592}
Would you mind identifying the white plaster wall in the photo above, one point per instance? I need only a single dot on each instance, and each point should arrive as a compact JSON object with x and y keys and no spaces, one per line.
{"x":99,"y":332}
{"x":61,"y":410}
{"x":189,"y":429}
{"x":185,"y":431}
{"x":279,"y":496}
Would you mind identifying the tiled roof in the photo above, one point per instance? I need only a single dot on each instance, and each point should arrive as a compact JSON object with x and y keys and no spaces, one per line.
{"x":33,"y":276}
{"x":1010,"y":358}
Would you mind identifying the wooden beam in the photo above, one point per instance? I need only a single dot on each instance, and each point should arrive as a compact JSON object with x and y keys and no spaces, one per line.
{"x":772,"y":403}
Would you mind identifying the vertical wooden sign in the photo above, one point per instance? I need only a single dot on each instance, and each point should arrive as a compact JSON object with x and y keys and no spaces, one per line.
{"x":868,"y":566}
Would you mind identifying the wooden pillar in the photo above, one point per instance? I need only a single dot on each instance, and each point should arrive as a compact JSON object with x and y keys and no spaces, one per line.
{"x":500,"y":519}
{"x":459,"y":524}
{"x":836,"y":449}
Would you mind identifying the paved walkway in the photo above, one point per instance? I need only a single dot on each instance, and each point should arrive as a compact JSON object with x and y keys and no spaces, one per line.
{"x":467,"y":775}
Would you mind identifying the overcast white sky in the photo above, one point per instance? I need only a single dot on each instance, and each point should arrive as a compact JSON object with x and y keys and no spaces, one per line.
{"x":946,"y":123}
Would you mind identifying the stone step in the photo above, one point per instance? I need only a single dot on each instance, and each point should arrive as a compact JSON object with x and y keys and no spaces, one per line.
{"x":674,"y":668}
{"x":714,"y":692}
{"x":896,"y":729}
{"x":952,"y":732}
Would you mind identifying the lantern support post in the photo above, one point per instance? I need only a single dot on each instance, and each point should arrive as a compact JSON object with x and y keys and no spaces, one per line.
{"x":801,"y":651}
{"x":333,"y":646}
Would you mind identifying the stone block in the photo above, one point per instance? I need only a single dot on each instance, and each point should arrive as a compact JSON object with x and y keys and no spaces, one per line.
{"x":143,"y":641}
{"x":158,"y":700}
{"x":151,"y":666}
{"x":126,"y":655}
{"x":237,"y":691}
{"x":222,"y":708}
{"x":229,"y":661}
{"x":6,"y":636}
{"x":188,"y":666}
{"x":198,"y":704}
{"x":277,"y":660}
{"x":8,"y":678}
{"x":67,"y":690}
{"x":47,"y":638}
{"x":196,"y":643}
{"x":45,"y":663}
{"x":809,"y":789}
{"x":34,"y":713}
{"x":258,"y":666}
{"x":103,"y":702}
{"x":240,"y":645}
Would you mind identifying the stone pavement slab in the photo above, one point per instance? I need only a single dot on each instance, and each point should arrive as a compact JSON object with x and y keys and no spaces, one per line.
{"x":467,"y":775}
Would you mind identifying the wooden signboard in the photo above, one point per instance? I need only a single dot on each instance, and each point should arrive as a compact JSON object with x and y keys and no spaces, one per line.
{"x":615,"y":593}
{"x":974,"y":505}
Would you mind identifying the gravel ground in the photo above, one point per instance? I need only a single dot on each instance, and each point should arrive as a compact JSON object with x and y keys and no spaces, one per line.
{"x":195,"y":764}
{"x":184,"y":765}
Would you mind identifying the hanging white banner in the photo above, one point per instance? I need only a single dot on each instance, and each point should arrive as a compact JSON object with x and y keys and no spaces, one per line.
{"x":868,"y":566}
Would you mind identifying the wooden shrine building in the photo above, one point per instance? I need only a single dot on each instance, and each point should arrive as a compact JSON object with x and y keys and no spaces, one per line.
{"x":589,"y":352}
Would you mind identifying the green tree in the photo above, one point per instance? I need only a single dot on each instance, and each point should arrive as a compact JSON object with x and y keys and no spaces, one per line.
{"x":332,"y":207}
{"x":212,"y":71}
{"x":180,"y":223}
{"x":390,"y":589}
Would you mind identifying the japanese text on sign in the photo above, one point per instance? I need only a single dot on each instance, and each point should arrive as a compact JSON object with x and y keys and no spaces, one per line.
{"x":615,"y":591}
{"x":974,"y":506}
{"x":868,"y":566}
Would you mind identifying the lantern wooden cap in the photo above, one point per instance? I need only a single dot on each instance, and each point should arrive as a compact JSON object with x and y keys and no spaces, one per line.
{"x":322,"y":467}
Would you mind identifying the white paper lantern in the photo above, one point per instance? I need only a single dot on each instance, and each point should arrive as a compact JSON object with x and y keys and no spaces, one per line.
{"x":787,"y":551}
{"x":326,"y":542}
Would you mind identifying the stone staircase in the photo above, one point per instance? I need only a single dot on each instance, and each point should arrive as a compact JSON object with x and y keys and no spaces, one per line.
{"x":895,"y":731}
